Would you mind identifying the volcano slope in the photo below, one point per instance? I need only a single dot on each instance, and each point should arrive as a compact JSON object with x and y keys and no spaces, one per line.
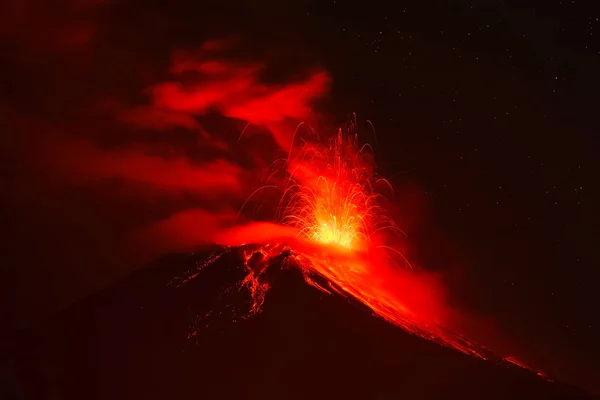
{"x":151,"y":337}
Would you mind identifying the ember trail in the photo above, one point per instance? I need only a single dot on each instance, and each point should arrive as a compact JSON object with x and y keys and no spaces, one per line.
{"x":332,"y":200}
{"x":330,"y":193}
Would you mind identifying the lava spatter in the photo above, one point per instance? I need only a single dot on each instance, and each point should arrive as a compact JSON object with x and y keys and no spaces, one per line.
{"x":332,"y":199}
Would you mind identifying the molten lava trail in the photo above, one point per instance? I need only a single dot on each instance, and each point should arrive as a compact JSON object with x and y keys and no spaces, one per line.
{"x":331,"y":199}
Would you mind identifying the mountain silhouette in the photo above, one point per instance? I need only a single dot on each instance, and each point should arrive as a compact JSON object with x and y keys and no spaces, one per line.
{"x":151,"y":336}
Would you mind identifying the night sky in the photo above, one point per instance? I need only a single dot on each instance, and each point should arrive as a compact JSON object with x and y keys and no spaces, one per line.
{"x":485,"y":118}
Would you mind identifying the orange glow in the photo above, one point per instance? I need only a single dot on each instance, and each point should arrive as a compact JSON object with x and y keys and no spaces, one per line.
{"x":343,"y":234}
{"x":518,"y":363}
{"x":331,"y":224}
{"x":329,"y":198}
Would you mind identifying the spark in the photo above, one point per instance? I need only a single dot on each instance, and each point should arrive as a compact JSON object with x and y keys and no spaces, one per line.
{"x":331,"y":197}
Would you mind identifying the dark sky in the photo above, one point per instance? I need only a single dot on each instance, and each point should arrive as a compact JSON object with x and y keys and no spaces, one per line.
{"x":485,"y":114}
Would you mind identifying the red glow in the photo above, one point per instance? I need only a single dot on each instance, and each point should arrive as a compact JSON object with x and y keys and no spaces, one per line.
{"x":333,"y":225}
{"x":235,"y":89}
{"x":82,"y":161}
{"x":330,"y":222}
{"x":183,"y":231}
{"x":342,"y":234}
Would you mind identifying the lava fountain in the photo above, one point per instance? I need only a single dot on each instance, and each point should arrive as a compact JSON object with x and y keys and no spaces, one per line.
{"x":332,"y":209}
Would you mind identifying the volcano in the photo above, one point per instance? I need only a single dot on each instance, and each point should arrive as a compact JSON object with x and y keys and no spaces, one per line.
{"x":172,"y":330}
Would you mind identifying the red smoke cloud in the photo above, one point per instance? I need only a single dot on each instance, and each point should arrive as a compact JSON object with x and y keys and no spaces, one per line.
{"x":234,"y":90}
{"x":183,"y":231}
{"x":83,"y":162}
{"x":134,"y":179}
{"x":237,"y":93}
{"x":186,"y":230}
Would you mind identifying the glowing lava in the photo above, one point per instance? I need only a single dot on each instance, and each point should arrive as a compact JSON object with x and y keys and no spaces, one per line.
{"x":331,"y":202}
{"x":330,"y":195}
{"x":331,"y":198}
